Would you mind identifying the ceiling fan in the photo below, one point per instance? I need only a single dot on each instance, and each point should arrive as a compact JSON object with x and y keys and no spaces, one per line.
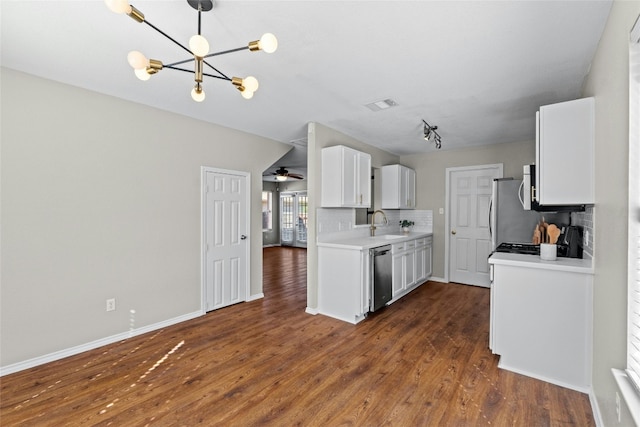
{"x":282,"y":174}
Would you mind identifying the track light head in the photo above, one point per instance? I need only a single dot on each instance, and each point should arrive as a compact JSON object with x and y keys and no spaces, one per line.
{"x":430,"y":133}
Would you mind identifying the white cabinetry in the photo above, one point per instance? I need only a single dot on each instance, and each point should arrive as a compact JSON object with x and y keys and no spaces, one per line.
{"x":343,"y":283}
{"x":541,"y":323}
{"x":565,"y":153}
{"x":398,"y":188}
{"x":346,"y":178}
{"x":423,"y":258}
{"x":411,"y":264}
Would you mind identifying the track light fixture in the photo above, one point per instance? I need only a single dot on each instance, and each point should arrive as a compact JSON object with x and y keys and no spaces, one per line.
{"x":430,"y":133}
{"x":199,"y":49}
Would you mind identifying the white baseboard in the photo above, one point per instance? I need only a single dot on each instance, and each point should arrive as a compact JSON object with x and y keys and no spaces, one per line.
{"x":255,"y":297}
{"x":61,"y":354}
{"x":576,"y":387}
{"x":595,"y":409}
{"x":313,"y":311}
{"x":438,"y":279}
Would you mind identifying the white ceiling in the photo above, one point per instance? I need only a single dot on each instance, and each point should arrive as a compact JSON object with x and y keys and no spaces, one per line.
{"x":476,"y":69}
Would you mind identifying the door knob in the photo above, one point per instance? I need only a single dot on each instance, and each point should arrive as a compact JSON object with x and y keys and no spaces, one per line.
{"x":453,"y":231}
{"x":243,"y":237}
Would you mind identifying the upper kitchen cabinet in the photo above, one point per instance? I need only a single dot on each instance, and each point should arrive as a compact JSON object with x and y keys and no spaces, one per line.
{"x":398,"y":187}
{"x":565,"y":153}
{"x":346,"y":178}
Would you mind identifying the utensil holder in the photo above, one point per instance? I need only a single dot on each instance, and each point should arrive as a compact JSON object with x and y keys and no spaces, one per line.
{"x":548,"y":251}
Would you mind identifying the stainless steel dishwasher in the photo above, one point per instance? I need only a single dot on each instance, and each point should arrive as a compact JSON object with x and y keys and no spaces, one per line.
{"x":381,"y":264}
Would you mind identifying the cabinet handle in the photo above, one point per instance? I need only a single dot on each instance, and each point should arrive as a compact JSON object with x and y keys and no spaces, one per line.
{"x":360,"y":198}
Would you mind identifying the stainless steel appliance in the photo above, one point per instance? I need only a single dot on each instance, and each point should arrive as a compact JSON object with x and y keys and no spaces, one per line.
{"x":510,"y":222}
{"x":381,"y":288}
{"x":528,"y":195}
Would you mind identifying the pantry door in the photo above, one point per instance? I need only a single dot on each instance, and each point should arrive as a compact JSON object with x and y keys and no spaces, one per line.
{"x":225,"y":237}
{"x":469,"y":237}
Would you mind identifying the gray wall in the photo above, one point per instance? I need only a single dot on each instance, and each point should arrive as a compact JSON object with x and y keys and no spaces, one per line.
{"x":270,"y":238}
{"x":608,"y":81}
{"x":320,"y":136}
{"x":100,"y":198}
{"x":431,"y":178}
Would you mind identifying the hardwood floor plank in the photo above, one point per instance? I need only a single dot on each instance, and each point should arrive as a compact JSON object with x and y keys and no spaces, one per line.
{"x":423,"y":361}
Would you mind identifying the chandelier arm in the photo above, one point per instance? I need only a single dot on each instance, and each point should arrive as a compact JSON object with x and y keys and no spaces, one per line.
{"x":221,"y":77}
{"x":217,"y":71}
{"x":180,"y":62}
{"x":167,"y":36}
{"x":227,"y":51}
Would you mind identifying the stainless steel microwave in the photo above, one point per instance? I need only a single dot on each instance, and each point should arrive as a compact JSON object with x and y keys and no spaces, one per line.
{"x":528,"y":194}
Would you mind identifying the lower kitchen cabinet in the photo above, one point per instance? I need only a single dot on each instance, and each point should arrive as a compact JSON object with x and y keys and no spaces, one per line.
{"x":541,"y":323}
{"x":343,"y":283}
{"x":411,"y":264}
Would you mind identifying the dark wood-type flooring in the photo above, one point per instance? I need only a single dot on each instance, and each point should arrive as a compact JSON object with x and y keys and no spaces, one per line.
{"x":422,"y":361}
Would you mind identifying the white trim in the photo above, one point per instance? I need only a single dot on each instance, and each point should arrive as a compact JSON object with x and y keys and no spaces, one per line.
{"x":595,"y":409}
{"x":629,"y":393}
{"x":255,"y":297}
{"x":448,"y":172}
{"x":203,"y":245}
{"x":310,"y":310}
{"x":551,"y":380}
{"x":61,"y":354}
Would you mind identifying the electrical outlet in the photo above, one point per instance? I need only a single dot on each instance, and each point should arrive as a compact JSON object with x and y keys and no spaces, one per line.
{"x":111,"y":304}
{"x":618,"y":405}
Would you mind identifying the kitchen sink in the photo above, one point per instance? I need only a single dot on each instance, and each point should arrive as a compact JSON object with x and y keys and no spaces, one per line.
{"x":390,"y":236}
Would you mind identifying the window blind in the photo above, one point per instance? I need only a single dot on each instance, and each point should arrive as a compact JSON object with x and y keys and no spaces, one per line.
{"x":633,"y":328}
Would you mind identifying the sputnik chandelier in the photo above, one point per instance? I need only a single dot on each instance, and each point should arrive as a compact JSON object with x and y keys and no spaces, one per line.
{"x":430,"y":133}
{"x":199,"y":49}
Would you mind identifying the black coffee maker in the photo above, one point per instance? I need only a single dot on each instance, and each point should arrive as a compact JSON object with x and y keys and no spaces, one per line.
{"x":570,"y":242}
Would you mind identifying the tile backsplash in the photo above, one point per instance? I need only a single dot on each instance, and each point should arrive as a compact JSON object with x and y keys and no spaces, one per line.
{"x":586,"y":220}
{"x":335,"y":223}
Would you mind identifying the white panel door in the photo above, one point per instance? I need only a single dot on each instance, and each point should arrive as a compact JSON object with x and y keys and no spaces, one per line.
{"x":225,"y":238}
{"x":469,"y":238}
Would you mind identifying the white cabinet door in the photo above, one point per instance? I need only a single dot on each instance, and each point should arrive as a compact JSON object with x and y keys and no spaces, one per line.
{"x":398,"y":274}
{"x":542,"y":323}
{"x":398,"y":189}
{"x":363,"y":195}
{"x":421,"y":263}
{"x":428,"y":268}
{"x":346,"y":178}
{"x":565,"y":153}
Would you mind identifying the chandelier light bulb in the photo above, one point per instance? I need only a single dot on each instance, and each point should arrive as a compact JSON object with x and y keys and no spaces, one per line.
{"x":197,"y":93}
{"x":246,"y":94}
{"x":118,"y":6}
{"x":250,"y":84}
{"x":137,"y":60}
{"x":199,"y":46}
{"x":142,"y":74}
{"x":268,"y":43}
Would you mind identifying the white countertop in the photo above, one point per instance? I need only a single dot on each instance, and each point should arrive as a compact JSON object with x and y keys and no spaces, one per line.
{"x":573,"y":265}
{"x":367,"y":242}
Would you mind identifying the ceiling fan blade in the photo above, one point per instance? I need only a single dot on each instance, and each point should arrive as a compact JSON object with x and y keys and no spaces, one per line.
{"x":295,"y":175}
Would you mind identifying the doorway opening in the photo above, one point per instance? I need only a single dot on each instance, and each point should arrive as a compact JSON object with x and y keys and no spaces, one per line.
{"x":294,"y":213}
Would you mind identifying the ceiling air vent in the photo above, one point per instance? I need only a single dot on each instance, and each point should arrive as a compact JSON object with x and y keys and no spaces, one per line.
{"x":381,"y":105}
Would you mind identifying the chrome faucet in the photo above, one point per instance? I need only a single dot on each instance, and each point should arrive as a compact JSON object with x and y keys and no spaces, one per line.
{"x":373,"y":221}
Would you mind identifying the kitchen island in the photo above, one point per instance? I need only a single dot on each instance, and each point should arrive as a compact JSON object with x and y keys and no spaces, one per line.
{"x":344,"y":271}
{"x":541,"y":317}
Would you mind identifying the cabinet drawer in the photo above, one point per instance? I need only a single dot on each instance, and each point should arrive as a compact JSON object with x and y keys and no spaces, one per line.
{"x":411,"y":244}
{"x":421,"y":242}
{"x":397,"y":247}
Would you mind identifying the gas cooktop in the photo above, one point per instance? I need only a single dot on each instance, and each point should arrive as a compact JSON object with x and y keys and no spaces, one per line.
{"x":519,"y":248}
